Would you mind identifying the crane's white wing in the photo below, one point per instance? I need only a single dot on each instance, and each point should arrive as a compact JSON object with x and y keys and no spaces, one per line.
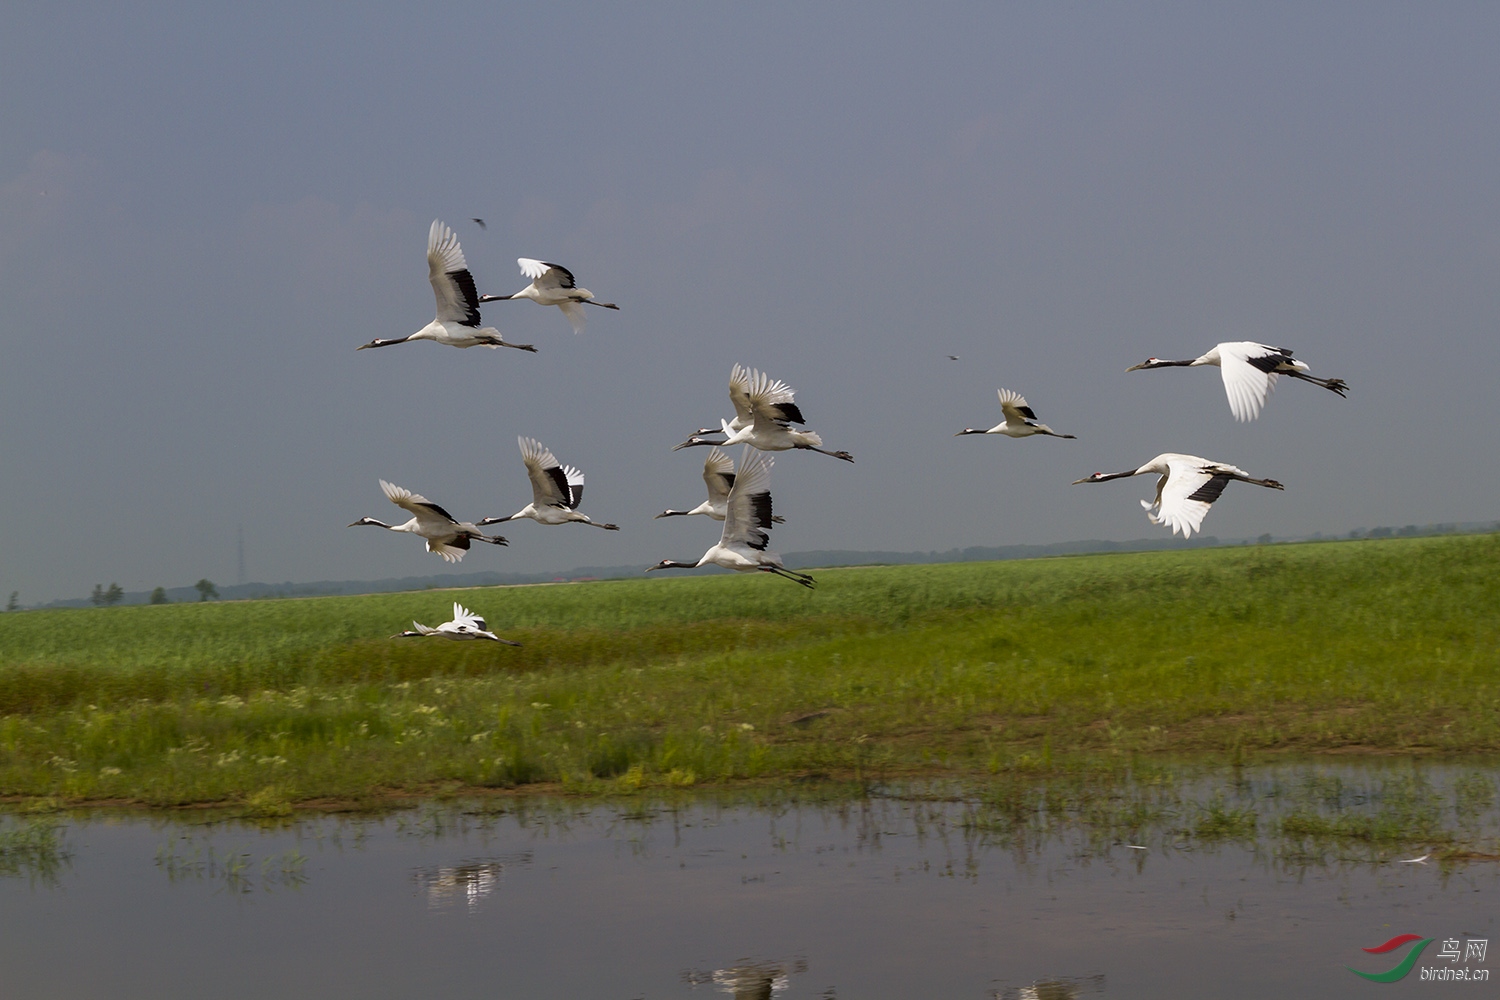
{"x":771,"y":399}
{"x":451,"y":549}
{"x":1249,"y":373}
{"x":546,"y":275}
{"x":457,"y":298}
{"x":718,"y":475}
{"x":747,"y":512}
{"x":575,"y":315}
{"x":739,"y":395}
{"x":423,"y":628}
{"x":749,"y":388}
{"x":463,"y":616}
{"x":1014,"y":406}
{"x":574,"y":479}
{"x":425,"y":510}
{"x":1192,"y":485}
{"x":549,"y":483}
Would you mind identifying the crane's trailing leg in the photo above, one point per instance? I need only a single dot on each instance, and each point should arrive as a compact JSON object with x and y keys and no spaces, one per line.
{"x":498,"y":342}
{"x":807,"y":447}
{"x":1268,"y":483}
{"x":1337,"y":385}
{"x":801,"y":578}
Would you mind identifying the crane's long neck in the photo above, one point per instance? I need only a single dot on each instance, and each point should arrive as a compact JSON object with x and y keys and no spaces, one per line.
{"x":674,"y":564}
{"x":387,"y":343}
{"x":1105,"y":477}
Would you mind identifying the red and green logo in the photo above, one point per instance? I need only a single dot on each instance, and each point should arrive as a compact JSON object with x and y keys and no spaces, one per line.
{"x":1402,"y":967}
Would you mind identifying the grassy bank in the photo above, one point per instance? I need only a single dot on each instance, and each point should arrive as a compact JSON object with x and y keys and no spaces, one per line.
{"x":968,"y":669}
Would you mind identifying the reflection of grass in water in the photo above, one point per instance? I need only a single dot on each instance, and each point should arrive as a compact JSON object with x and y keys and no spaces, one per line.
{"x":1398,"y":810}
{"x":1217,"y":821}
{"x":1301,"y":813}
{"x":1017,"y":670}
{"x":33,"y":847}
{"x":187,"y":860}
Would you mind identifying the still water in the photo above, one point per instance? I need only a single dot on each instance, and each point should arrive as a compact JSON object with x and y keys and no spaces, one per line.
{"x":879,"y":898}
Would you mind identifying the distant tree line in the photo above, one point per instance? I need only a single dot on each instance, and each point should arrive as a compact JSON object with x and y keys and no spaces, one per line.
{"x":103,"y":598}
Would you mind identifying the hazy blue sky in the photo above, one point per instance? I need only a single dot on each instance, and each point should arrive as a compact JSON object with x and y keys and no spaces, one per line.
{"x":203,"y":214}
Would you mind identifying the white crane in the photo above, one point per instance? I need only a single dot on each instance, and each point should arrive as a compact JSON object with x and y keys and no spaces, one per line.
{"x":764,"y":414}
{"x":457,"y":322}
{"x":1250,"y":371}
{"x":556,"y":490}
{"x":553,"y":285}
{"x":445,"y":535}
{"x":465,"y":625}
{"x":1020,"y":420}
{"x":747,"y":518}
{"x":1187,"y":486}
{"x":777,"y":394}
{"x":718,"y":476}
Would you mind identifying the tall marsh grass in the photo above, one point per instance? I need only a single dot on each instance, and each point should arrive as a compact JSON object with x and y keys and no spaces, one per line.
{"x":998,"y":668}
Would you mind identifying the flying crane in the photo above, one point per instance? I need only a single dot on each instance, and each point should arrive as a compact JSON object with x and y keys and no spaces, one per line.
{"x":457,"y":322}
{"x":1249,"y":371}
{"x":1188,"y":485}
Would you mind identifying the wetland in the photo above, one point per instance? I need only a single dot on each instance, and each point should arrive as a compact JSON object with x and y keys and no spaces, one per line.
{"x":1221,"y":885}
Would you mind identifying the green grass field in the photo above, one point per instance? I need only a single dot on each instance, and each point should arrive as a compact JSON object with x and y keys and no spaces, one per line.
{"x":963,"y":670}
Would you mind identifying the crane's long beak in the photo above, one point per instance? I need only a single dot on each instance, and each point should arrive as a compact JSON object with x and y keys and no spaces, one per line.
{"x":1138,"y":367}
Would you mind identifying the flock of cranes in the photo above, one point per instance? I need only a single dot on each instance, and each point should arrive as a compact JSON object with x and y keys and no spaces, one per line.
{"x":766,"y":419}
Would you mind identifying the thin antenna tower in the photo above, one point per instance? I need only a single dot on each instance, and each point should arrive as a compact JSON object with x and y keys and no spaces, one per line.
{"x":239,"y":537}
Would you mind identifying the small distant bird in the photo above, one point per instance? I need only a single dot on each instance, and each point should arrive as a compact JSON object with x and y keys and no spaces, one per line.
{"x":1249,"y":371}
{"x":718,"y":476}
{"x":479,"y":223}
{"x":446,"y":536}
{"x":457,"y":322}
{"x":553,"y":285}
{"x":764,"y":414}
{"x":556,"y":490}
{"x":747,"y":518}
{"x":953,"y":357}
{"x":1020,"y":420}
{"x":465,"y":625}
{"x":1187,"y":487}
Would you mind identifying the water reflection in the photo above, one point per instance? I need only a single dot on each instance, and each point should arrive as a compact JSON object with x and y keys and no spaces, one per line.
{"x":1272,"y":882}
{"x":749,"y":980}
{"x":470,"y":881}
{"x":34,"y":849}
{"x":1053,"y":989}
